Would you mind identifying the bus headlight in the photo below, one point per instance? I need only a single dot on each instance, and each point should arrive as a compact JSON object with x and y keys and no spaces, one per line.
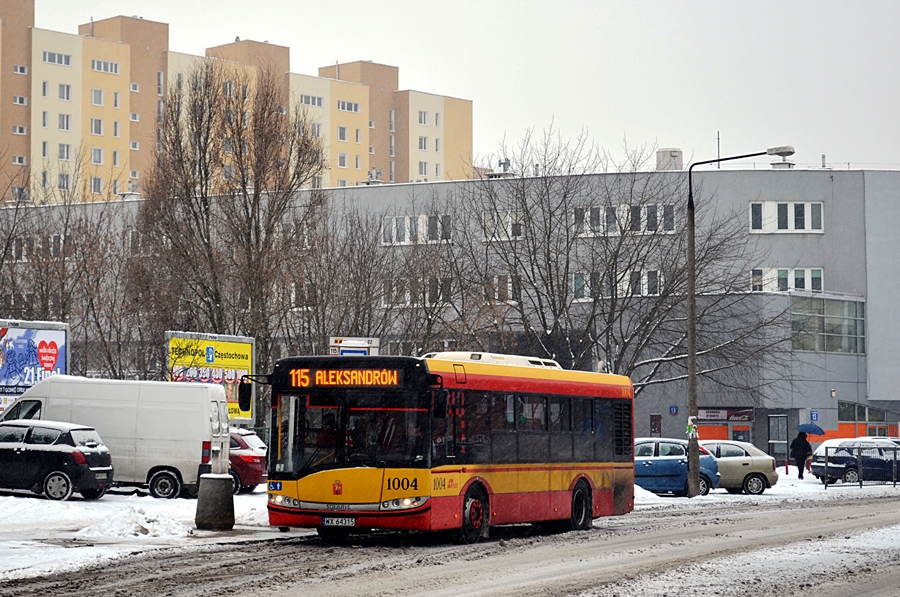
{"x":403,"y":503}
{"x":283,"y":500}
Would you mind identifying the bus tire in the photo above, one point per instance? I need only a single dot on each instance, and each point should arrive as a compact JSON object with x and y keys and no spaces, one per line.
{"x":580,"y":519}
{"x":475,"y":515}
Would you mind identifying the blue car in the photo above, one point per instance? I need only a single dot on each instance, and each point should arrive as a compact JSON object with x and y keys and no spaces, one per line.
{"x":877,"y":456}
{"x":660,"y":466}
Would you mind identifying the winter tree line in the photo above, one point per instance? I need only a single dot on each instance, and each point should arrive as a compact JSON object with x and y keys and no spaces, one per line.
{"x":571,"y":255}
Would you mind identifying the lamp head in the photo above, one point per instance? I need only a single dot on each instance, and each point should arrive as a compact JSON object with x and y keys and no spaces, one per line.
{"x":782,"y":150}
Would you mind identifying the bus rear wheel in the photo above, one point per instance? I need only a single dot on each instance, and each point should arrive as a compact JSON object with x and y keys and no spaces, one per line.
{"x":580,"y":519}
{"x":475,"y":515}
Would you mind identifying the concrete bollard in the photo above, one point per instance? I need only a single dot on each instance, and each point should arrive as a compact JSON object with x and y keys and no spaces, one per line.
{"x":215,"y":503}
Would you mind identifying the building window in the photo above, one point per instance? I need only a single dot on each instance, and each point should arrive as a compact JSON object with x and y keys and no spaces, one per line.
{"x":44,"y":118}
{"x":19,"y":130}
{"x":96,"y":126}
{"x":391,"y":122}
{"x":358,"y":162}
{"x":65,"y":122}
{"x":135,"y":145}
{"x":828,"y":325}
{"x":437,"y":119}
{"x":423,"y":168}
{"x":815,"y":220}
{"x":135,"y":87}
{"x":815,"y":280}
{"x":45,"y":89}
{"x":116,"y":131}
{"x":311,"y":100}
{"x":345,"y":106}
{"x":371,"y":150}
{"x":652,"y":282}
{"x":64,"y":182}
{"x":96,"y":185}
{"x":65,"y":92}
{"x":115,"y":157}
{"x":371,"y":124}
{"x":342,"y":133}
{"x":756,"y":280}
{"x":97,"y":155}
{"x":116,"y":99}
{"x":437,"y":170}
{"x":20,"y":69}
{"x":799,"y":216}
{"x":45,"y":149}
{"x":18,"y":160}
{"x":782,"y":280}
{"x":391,"y":146}
{"x":342,"y":182}
{"x":135,"y":174}
{"x":392,"y":171}
{"x":104,"y":66}
{"x":65,"y":151}
{"x":160,"y":82}
{"x":423,"y":143}
{"x":668,"y":218}
{"x":358,"y":136}
{"x":135,"y":117}
{"x":423,"y":117}
{"x":773,"y":217}
{"x":56,"y":58}
{"x":786,"y":280}
{"x":756,"y":216}
{"x":502,"y":226}
{"x":97,"y":97}
{"x":634,"y":218}
{"x":20,"y":100}
{"x":437,"y":146}
{"x":342,"y":160}
{"x":316,"y":129}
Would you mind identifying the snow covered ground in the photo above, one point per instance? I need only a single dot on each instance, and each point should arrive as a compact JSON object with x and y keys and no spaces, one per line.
{"x":38,"y":536}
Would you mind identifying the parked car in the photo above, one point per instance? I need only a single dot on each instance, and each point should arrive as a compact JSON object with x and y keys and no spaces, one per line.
{"x":53,"y":458}
{"x":844,"y":457}
{"x":660,"y":466}
{"x":248,"y":460}
{"x":742,"y":466}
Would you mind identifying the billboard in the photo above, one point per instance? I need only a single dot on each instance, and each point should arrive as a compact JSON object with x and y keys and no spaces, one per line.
{"x":29,"y":352}
{"x":211,"y":358}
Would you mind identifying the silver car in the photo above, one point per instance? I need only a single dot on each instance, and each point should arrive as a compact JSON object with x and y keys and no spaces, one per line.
{"x":743,"y":466}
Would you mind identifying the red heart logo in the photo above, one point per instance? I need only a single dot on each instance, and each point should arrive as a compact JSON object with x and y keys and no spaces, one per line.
{"x":48,"y":352}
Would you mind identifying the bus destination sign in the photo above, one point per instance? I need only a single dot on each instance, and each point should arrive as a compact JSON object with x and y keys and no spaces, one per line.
{"x":348,"y":378}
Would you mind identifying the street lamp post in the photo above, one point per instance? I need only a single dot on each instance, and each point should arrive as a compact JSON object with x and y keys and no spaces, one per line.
{"x":693,"y":448}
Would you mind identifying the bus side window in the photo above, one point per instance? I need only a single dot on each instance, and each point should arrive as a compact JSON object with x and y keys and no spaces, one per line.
{"x":503,"y":412}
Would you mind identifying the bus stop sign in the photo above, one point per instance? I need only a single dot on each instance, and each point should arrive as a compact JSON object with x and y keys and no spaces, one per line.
{"x":341,"y":346}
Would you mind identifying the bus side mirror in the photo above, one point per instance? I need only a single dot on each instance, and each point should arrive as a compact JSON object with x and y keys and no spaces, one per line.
{"x":245,"y":395}
{"x":440,"y":404}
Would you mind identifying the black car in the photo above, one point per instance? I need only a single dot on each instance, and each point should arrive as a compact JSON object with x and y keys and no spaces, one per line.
{"x":55,"y":459}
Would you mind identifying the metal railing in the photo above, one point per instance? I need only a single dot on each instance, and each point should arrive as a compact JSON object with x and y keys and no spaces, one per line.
{"x":860,"y":464}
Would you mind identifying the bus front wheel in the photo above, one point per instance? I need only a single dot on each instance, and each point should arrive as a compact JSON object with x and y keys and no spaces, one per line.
{"x":475,"y":515}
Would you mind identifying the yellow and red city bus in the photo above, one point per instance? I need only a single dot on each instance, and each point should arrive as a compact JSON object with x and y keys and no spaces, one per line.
{"x":453,"y":441}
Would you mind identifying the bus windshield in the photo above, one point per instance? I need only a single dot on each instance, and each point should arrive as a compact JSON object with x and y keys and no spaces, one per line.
{"x":350,"y":428}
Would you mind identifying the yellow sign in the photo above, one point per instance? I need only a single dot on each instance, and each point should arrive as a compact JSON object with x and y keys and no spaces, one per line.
{"x":212,"y":361}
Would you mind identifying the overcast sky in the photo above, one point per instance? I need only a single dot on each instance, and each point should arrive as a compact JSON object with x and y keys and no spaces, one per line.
{"x":823,"y":76}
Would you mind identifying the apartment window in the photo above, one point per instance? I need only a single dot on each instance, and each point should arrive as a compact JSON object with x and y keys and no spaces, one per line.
{"x":423,"y":143}
{"x":97,"y":155}
{"x":56,"y":58}
{"x":423,"y":117}
{"x":160,"y":111}
{"x":612,"y":223}
{"x":437,"y":146}
{"x":371,"y":150}
{"x":782,"y":280}
{"x":391,"y":122}
{"x":634,"y":218}
{"x":815,"y":213}
{"x":45,"y":149}
{"x":358,"y":162}
{"x":756,"y":280}
{"x":652,"y":219}
{"x":580,"y":288}
{"x":391,"y":146}
{"x":652,"y":282}
{"x":342,"y":133}
{"x":135,"y":117}
{"x":799,"y":216}
{"x":135,"y":174}
{"x":19,"y":130}
{"x":782,"y":216}
{"x":64,"y":182}
{"x":45,"y":179}
{"x":96,"y":185}
{"x":392,"y":171}
{"x":18,"y":160}
{"x":97,"y":97}
{"x":799,"y":279}
{"x":371,"y":124}
{"x":115,"y":157}
{"x":65,"y":122}
{"x":116,"y":131}
{"x":44,"y":118}
{"x":815,"y":280}
{"x":437,"y":170}
{"x":756,"y":216}
{"x":311,"y":100}
{"x":20,"y":69}
{"x":105,"y":66}
{"x":316,"y":129}
{"x":116,"y":99}
{"x":135,"y":87}
{"x":438,"y":228}
{"x":668,"y":218}
{"x":342,"y":160}
{"x":96,"y":126}
{"x":342,"y":182}
{"x":423,"y":168}
{"x":437,"y":119}
{"x":65,"y":151}
{"x":135,"y":145}
{"x":358,"y":136}
{"x":160,"y":82}
{"x":346,"y":106}
{"x":45,"y":89}
{"x":20,"y":100}
{"x":115,"y":188}
{"x":634,"y":283}
{"x":65,"y":92}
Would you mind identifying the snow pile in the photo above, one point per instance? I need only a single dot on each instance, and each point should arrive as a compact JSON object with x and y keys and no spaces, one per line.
{"x":135,"y":522}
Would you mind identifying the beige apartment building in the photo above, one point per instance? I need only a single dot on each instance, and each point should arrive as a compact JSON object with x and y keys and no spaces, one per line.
{"x":80,"y":113}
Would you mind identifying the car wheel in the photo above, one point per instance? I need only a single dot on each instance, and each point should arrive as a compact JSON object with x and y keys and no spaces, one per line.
{"x":93,"y":494}
{"x":705,"y":485}
{"x":474,"y":515}
{"x":754,"y":484}
{"x":57,"y":486}
{"x":850,"y":476}
{"x":165,"y":485}
{"x":581,"y":507}
{"x":248,"y":488}
{"x":235,"y":482}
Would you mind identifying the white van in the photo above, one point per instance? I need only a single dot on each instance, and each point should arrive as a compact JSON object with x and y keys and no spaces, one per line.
{"x":162,"y":434}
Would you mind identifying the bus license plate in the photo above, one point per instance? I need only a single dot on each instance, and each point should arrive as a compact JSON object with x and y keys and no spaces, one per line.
{"x":338,"y":522}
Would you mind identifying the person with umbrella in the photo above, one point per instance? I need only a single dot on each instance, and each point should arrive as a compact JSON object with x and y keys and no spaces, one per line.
{"x":800,"y":451}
